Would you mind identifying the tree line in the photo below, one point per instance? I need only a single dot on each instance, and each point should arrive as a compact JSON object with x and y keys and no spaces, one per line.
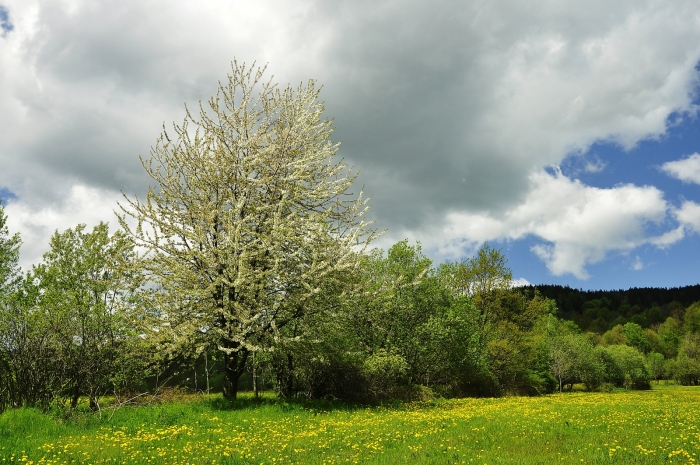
{"x":599,"y":311}
{"x":250,"y":262}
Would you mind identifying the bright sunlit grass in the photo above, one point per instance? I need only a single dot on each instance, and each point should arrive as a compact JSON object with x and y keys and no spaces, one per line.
{"x":658,"y":426}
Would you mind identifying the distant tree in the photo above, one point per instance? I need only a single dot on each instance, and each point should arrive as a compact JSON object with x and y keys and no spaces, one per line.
{"x":455,"y":352}
{"x":614,"y":336}
{"x":564,"y":356}
{"x":505,"y":318}
{"x":657,"y":366}
{"x":484,"y":278}
{"x":635,"y":337}
{"x":629,"y":370}
{"x":686,"y":370}
{"x":251,"y":213}
{"x":691,"y":320}
{"x":670,"y":332}
{"x":656,"y":344}
{"x":401,"y":295}
{"x":573,"y":359}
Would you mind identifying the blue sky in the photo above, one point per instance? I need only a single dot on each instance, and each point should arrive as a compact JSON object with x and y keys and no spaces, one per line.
{"x":672,"y":266}
{"x":542,"y":128}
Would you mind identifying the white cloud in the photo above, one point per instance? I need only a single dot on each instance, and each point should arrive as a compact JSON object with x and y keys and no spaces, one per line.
{"x":578,"y":224}
{"x":687,"y":169}
{"x":82,"y":204}
{"x":595,"y":165}
{"x":521,"y":282}
{"x":637,"y":265}
{"x":688,"y":215}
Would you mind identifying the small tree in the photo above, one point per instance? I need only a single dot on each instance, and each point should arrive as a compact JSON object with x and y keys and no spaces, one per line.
{"x":657,"y":366}
{"x":9,"y":258}
{"x":251,"y":217}
{"x":9,"y":281}
{"x":83,"y":296}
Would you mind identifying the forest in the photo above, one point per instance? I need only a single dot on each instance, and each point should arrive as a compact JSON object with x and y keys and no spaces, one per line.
{"x":249,"y":265}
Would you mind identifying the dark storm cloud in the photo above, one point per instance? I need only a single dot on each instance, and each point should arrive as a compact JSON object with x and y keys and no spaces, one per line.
{"x":412,"y":86}
{"x":446,"y":108}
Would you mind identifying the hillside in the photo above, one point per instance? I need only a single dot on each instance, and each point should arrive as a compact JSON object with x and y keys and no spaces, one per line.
{"x":599,"y":311}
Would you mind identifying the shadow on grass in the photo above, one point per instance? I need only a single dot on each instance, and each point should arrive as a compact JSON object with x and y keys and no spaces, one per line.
{"x":247,"y":401}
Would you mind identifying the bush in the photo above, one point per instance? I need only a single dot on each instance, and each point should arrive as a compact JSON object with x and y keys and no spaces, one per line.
{"x":628,"y":370}
{"x":606,"y":387}
{"x":685,"y":370}
{"x":386,"y":374}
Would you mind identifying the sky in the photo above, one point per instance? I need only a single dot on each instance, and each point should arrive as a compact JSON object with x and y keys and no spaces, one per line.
{"x":565,"y":133}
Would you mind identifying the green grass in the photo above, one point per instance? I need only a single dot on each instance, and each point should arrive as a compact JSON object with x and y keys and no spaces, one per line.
{"x":658,"y":426}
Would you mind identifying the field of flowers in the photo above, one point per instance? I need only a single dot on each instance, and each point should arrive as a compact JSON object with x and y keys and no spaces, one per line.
{"x":658,"y":426}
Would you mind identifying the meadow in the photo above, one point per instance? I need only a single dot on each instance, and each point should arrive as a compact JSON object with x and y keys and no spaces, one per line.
{"x":646,"y":427}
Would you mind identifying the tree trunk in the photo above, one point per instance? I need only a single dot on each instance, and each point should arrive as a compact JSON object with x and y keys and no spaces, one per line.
{"x":206,"y":369}
{"x":255,"y":378}
{"x":74,"y":399}
{"x":94,"y":406}
{"x":234,"y":367}
{"x":283,"y":368}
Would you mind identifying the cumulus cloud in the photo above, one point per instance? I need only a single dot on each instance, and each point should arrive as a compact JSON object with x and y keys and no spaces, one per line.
{"x":521,"y":282}
{"x":450,"y":111}
{"x":637,"y":265}
{"x":577,"y":224}
{"x":688,"y":215}
{"x":687,"y":169}
{"x":82,"y":204}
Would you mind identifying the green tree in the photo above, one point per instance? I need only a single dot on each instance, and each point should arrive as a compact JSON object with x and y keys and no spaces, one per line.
{"x":505,"y":318}
{"x":635,"y":337}
{"x":691,"y":320}
{"x":485,"y":278}
{"x":10,"y":279}
{"x":629,"y":369}
{"x":613,"y":336}
{"x":10,"y":276}
{"x":250,"y":215}
{"x":657,"y":365}
{"x":401,"y":295}
{"x":686,"y":370}
{"x":670,"y":332}
{"x":573,"y":359}
{"x":455,"y":352}
{"x":83,"y":289}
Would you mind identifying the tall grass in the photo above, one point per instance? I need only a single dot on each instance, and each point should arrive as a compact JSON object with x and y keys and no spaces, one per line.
{"x":649,"y":427}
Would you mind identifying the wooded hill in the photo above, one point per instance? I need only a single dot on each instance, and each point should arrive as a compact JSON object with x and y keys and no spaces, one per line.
{"x":599,"y":311}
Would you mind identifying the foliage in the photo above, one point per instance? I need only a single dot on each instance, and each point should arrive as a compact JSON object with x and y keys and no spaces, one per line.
{"x":686,"y":370}
{"x":691,"y":318}
{"x":10,"y":276}
{"x":629,"y":369}
{"x":670,"y":333}
{"x":658,"y":366}
{"x":68,"y":328}
{"x":385,"y":372}
{"x":635,"y":337}
{"x":573,"y":360}
{"x":686,"y":367}
{"x":599,"y":310}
